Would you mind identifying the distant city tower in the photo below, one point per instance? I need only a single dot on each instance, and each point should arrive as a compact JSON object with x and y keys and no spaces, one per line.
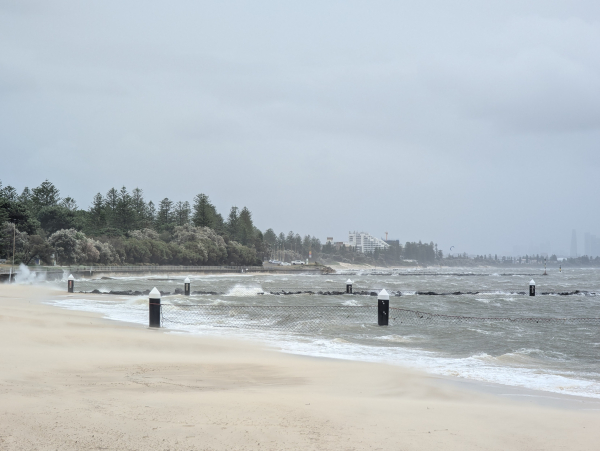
{"x":573,"y":244}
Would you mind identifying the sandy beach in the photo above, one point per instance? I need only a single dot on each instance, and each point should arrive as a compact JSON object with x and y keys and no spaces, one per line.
{"x":73,"y":380}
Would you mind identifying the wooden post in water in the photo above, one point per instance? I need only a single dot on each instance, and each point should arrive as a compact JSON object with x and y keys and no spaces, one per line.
{"x":154,"y":308}
{"x":383,"y":308}
{"x":348,"y":286}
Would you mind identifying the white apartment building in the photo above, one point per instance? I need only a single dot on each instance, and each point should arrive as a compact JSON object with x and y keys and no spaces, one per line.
{"x":365,"y":243}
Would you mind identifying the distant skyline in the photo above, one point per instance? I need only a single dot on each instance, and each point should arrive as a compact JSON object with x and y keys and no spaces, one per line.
{"x":589,"y":244}
{"x":470,"y":124}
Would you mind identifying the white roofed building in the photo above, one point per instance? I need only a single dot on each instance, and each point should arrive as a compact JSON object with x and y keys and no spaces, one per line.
{"x":365,"y":243}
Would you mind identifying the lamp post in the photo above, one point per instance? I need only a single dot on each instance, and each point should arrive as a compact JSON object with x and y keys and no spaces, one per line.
{"x":12,"y":267}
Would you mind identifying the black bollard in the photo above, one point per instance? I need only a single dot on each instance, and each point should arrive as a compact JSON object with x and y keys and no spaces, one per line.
{"x":70,"y":283}
{"x":348,"y":286}
{"x":154,"y":308}
{"x":532,"y":288}
{"x":383,"y":308}
{"x":186,"y":286}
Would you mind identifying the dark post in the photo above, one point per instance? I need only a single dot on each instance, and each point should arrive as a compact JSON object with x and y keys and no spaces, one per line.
{"x":186,"y":286}
{"x":383,"y":308}
{"x":532,"y":288}
{"x":70,"y":283}
{"x":348,"y":286}
{"x":154,"y":308}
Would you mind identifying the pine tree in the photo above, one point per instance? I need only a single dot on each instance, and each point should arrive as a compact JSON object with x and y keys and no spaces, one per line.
{"x":125,"y":219}
{"x":111,"y":201}
{"x":97,"y":214}
{"x":204,"y":212}
{"x":233,"y":224}
{"x":182,"y":213}
{"x":45,"y":195}
{"x":150,"y":216}
{"x":138,"y":206}
{"x":165,"y":218}
{"x":69,"y":203}
{"x":218,"y":224}
{"x":270,"y":237}
{"x":26,"y":199}
{"x":246,"y":227}
{"x":8,"y":193}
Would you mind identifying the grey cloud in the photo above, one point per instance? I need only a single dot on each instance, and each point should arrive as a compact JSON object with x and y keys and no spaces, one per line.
{"x":463,"y":123}
{"x":538,"y":76}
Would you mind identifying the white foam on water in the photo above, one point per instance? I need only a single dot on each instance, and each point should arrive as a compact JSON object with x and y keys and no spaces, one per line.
{"x":473,"y":367}
{"x":521,"y":369}
{"x":244,"y":291}
{"x":131,"y":310}
{"x":485,"y":332}
{"x":395,"y":338}
{"x":352,"y":303}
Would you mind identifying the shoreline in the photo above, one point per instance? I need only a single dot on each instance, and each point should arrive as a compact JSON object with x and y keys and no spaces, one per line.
{"x":75,"y":380}
{"x":525,"y":394}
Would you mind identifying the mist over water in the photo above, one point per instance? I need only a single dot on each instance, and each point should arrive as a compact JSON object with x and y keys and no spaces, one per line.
{"x":555,"y":357}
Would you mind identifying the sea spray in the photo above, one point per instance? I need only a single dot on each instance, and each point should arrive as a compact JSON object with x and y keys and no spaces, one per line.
{"x":244,"y":291}
{"x":25,"y":276}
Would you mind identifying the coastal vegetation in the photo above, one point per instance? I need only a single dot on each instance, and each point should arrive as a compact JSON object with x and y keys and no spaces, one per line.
{"x":121,"y":227}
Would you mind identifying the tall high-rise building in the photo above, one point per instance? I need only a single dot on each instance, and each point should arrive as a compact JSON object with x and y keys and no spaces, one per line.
{"x":574,"y":244}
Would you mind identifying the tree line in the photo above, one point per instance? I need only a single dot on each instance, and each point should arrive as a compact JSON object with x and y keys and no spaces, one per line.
{"x":121,"y":227}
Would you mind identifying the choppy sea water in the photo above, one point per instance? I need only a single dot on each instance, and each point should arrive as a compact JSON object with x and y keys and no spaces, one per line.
{"x":561,"y":358}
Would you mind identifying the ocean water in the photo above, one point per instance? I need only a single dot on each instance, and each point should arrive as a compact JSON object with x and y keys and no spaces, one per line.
{"x":561,"y":358}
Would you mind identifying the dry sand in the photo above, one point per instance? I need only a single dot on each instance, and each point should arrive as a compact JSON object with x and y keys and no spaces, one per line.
{"x":72,"y":380}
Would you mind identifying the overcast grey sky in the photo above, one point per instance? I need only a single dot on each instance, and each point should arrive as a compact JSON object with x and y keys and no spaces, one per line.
{"x":473,"y":124}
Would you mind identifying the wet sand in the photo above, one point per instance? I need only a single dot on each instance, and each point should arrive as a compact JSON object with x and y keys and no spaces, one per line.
{"x":73,"y":380}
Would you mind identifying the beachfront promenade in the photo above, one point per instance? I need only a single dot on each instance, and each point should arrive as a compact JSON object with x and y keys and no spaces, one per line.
{"x":57,"y":272}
